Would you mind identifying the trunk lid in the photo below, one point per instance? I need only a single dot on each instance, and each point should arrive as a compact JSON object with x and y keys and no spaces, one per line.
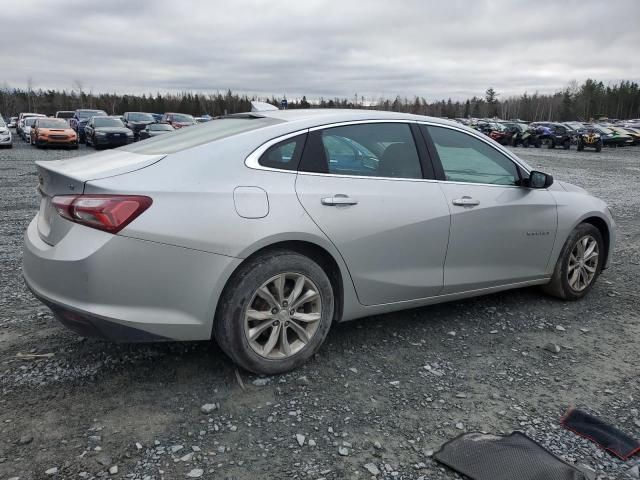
{"x":68,"y":177}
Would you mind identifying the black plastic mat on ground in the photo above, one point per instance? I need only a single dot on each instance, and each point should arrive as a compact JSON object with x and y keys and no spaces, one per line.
{"x":606,"y":436}
{"x":516,"y":456}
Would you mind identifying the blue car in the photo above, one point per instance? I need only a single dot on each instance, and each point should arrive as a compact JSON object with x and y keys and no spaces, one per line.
{"x":80,"y":119}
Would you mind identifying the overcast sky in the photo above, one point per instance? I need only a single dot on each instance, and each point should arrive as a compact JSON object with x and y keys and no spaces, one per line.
{"x":436,"y":49}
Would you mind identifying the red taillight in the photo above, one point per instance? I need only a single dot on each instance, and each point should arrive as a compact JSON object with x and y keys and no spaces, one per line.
{"x":110,"y":213}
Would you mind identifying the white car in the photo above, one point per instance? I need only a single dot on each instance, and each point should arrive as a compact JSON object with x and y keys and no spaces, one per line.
{"x":5,"y":135}
{"x":26,"y":128}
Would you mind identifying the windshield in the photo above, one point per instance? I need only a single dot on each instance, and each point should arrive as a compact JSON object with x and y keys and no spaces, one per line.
{"x":29,"y":121}
{"x":52,"y":123}
{"x":160,"y":126}
{"x":202,"y":133}
{"x":603,"y":129}
{"x":107,"y":122}
{"x":179,"y":117}
{"x":91,"y":113}
{"x":140,"y":117}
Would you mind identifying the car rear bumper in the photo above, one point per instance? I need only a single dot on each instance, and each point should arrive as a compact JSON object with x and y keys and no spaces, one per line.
{"x":125,"y":289}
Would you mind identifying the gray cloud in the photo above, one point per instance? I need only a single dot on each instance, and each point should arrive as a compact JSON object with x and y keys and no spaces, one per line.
{"x":320,"y":48}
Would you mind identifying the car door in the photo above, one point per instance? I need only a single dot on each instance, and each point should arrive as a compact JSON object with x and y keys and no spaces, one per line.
{"x":501,"y":233}
{"x":363,"y":185}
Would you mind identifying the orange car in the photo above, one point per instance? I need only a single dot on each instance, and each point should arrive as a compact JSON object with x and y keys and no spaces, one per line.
{"x":53,"y":131}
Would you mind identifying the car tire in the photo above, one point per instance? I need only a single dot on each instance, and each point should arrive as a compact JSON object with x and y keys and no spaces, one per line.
{"x":569,"y":262}
{"x":525,"y":143}
{"x":232,"y":324}
{"x":598,"y":148}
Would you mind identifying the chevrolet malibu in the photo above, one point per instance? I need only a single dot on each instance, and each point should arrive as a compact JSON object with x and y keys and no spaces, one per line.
{"x":260,"y":230}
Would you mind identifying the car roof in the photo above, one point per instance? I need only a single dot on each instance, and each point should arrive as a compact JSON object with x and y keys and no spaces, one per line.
{"x":324,"y":116}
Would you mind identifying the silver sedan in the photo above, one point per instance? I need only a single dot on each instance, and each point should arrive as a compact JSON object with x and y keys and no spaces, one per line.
{"x":260,"y":230}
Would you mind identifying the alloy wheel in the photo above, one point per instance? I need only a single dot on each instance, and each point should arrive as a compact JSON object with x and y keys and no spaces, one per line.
{"x":583,"y":263}
{"x":283,"y":315}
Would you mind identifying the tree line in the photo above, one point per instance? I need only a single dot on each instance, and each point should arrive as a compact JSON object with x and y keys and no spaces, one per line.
{"x":589,"y":100}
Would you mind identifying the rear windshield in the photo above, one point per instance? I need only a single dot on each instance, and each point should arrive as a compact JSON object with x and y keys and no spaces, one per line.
{"x":180,"y":117}
{"x":200,"y":134}
{"x":140,"y":117}
{"x":91,"y":113}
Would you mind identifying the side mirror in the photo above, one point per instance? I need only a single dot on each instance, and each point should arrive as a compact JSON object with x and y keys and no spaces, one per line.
{"x":539,"y":180}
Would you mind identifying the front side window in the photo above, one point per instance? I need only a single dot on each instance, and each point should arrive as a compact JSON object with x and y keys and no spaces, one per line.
{"x":284,"y":155}
{"x":465,"y":158}
{"x":368,"y":150}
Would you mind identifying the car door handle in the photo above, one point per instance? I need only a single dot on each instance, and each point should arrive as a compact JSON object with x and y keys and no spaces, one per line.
{"x":466,"y":202}
{"x":338,"y":200}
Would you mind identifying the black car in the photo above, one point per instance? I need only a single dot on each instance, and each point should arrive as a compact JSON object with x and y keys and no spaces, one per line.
{"x":107,"y":132}
{"x":137,"y":121}
{"x":155,"y":129}
{"x":589,"y":137}
{"x":80,"y":119}
{"x":553,"y":134}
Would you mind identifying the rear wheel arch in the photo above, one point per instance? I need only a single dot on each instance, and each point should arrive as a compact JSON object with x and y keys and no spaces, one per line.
{"x":311,"y":250}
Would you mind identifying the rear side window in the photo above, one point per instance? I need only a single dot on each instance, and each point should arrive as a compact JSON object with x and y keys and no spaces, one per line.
{"x":367,"y":150}
{"x":284,"y":155}
{"x":200,"y":134}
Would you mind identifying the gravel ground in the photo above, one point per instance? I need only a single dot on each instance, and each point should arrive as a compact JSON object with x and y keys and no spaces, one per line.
{"x":382,"y":394}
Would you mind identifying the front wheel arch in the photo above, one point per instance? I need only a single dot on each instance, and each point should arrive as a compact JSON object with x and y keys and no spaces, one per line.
{"x":602,"y":226}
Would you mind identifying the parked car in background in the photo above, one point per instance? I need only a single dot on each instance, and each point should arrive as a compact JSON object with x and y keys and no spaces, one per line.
{"x":65,"y":114}
{"x":27,"y":123}
{"x":203,"y":119}
{"x":525,"y":136}
{"x":47,"y":132}
{"x":104,"y":132}
{"x":612,"y":138}
{"x":21,"y":119}
{"x":554,"y":135}
{"x":292,"y":233}
{"x":157,"y":116}
{"x":137,"y":121}
{"x":623,"y":132}
{"x":178,"y":120}
{"x":635,"y":134}
{"x":13,"y":122}
{"x":588,"y":137}
{"x":81,"y":118}
{"x":6,"y":140}
{"x":155,"y":129}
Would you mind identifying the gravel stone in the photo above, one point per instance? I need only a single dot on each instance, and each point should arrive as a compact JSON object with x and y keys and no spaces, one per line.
{"x":371,"y":468}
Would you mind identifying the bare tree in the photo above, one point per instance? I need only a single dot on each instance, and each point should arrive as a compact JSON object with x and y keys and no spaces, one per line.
{"x":29,"y":90}
{"x":77,"y":85}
